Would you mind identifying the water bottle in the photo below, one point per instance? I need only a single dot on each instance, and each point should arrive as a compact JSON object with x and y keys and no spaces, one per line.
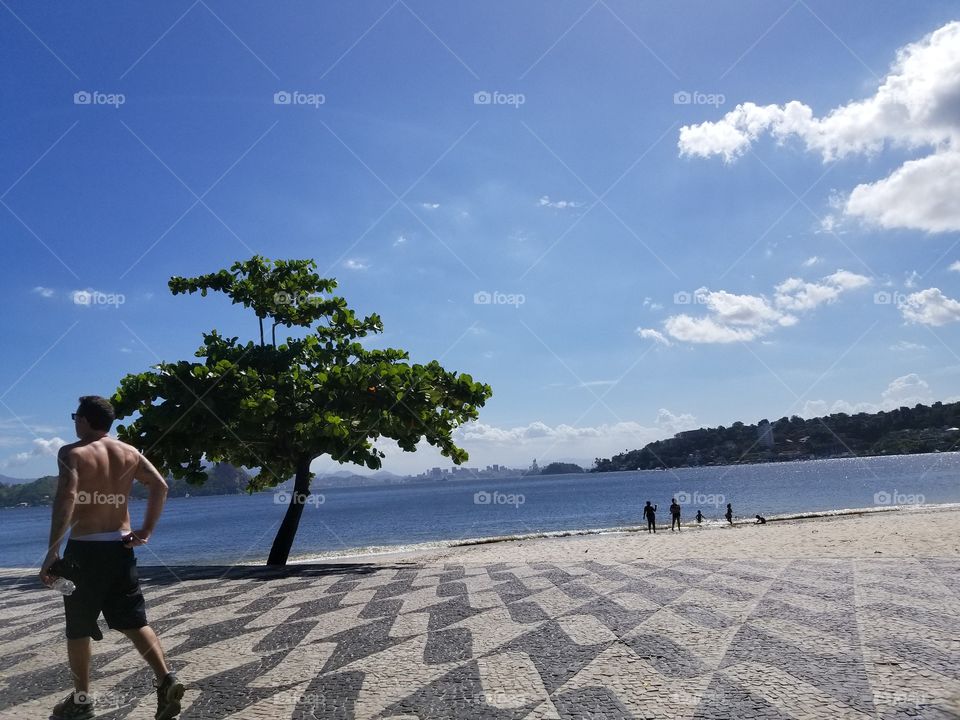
{"x":63,"y":586}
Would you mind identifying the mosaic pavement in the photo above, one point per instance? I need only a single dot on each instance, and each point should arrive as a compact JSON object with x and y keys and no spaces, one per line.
{"x":733,"y":639}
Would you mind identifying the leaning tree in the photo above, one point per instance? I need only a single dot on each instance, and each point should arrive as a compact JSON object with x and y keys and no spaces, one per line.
{"x":277,"y":407}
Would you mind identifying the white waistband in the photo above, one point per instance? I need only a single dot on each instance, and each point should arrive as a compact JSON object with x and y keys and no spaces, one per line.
{"x":109,"y":536}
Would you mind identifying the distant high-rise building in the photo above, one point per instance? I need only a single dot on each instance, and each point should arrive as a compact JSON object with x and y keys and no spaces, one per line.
{"x":765,"y":434}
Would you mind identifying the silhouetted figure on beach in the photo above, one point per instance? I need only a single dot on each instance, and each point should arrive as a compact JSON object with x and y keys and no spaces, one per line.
{"x":729,"y":514}
{"x":674,"y":514}
{"x":699,"y":517}
{"x":761,"y":520}
{"x":650,"y":513}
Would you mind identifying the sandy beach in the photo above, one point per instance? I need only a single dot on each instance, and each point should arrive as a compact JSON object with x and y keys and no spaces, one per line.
{"x":908,"y":532}
{"x":854,"y":616}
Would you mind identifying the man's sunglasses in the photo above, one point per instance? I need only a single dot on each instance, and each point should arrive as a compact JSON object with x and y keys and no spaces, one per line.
{"x":73,"y":416}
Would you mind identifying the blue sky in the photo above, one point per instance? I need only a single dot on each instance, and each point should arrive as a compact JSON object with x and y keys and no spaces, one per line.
{"x":682,"y":213}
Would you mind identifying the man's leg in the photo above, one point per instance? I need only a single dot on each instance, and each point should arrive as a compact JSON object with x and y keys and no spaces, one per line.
{"x":78,"y":654}
{"x":147,"y":642}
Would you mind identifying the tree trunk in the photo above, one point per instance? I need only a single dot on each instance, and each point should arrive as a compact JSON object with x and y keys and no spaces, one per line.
{"x":291,"y":521}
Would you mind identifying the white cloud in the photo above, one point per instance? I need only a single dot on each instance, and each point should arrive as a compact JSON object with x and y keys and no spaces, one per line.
{"x":17,"y":424}
{"x":911,"y":279}
{"x":906,"y":346}
{"x":401,"y":240}
{"x":829,"y":225}
{"x":429,"y":205}
{"x":545,"y":201}
{"x":921,"y":194}
{"x":674,"y":423}
{"x":796,"y":294}
{"x":517,"y":445}
{"x":811,"y":261}
{"x":41,"y":448}
{"x":353,"y":264}
{"x":742,"y":318}
{"x":930,"y":307}
{"x":596,"y":383}
{"x":707,"y":330}
{"x":44,"y":292}
{"x":655,"y":335}
{"x":954,"y":266}
{"x":904,"y":391}
{"x":916,"y":105}
{"x":732,"y":309}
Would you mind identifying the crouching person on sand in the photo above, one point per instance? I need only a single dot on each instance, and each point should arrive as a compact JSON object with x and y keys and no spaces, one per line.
{"x":96,"y":476}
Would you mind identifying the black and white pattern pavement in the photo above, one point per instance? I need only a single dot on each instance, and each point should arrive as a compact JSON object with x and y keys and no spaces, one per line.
{"x":824,"y":639}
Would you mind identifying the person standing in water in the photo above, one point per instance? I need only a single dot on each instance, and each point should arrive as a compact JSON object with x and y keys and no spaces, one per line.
{"x":729,"y":514}
{"x":699,"y":517}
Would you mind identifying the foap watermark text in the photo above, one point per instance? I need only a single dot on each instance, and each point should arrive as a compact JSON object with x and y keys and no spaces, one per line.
{"x":698,"y":499}
{"x":898,"y":498}
{"x":496,"y":297}
{"x":296,"y":97}
{"x":498,"y":498}
{"x":485,"y":97}
{"x":686,"y":97}
{"x":95,"y":297}
{"x":95,"y":97}
{"x":284,"y":497}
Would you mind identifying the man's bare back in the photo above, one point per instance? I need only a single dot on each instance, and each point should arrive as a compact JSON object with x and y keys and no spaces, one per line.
{"x":106,"y":469}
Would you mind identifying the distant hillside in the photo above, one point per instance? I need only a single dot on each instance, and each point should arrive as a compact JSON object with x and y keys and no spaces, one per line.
{"x":921,"y":429}
{"x":35,"y":492}
{"x":561,"y":468}
{"x":6,"y":480}
{"x":222,"y":479}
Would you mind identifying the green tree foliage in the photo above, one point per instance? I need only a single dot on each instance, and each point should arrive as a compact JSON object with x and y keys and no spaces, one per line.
{"x":896,"y":432}
{"x":279,"y":406}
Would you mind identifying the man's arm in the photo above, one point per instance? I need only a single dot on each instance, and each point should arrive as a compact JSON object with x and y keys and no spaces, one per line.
{"x":149,"y":475}
{"x":63,"y":504}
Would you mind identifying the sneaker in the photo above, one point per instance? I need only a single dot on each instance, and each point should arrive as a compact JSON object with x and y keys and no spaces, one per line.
{"x":169,"y":694}
{"x":75,"y":706}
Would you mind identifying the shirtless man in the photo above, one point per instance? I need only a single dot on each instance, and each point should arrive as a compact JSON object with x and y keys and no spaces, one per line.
{"x":96,"y":476}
